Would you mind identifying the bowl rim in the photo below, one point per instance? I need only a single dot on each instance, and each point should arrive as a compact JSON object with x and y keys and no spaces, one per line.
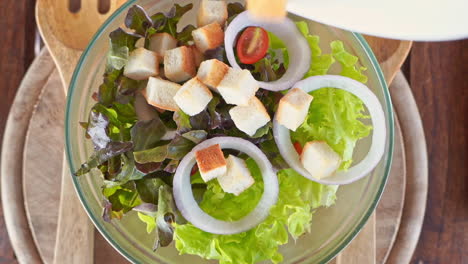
{"x":100,"y":227}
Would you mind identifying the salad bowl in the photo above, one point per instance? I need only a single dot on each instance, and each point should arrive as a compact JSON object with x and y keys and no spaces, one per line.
{"x":332,"y":228}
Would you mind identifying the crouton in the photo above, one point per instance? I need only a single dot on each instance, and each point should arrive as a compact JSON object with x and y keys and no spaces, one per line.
{"x":237,"y":177}
{"x":211,"y":162}
{"x":208,"y":37}
{"x":212,"y":11}
{"x":237,"y":86}
{"x":141,"y":64}
{"x":267,"y":9}
{"x":160,"y":43}
{"x":293,"y":108}
{"x":319,"y":159}
{"x":178,"y":64}
{"x":193,"y":97}
{"x":197,"y":55}
{"x":211,"y":72}
{"x":160,"y":93}
{"x":251,"y":117}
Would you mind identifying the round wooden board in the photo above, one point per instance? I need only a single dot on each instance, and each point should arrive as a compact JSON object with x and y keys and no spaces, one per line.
{"x":42,"y":167}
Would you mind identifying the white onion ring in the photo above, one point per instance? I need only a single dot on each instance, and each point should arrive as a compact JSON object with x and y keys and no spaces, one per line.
{"x":376,"y":150}
{"x":286,"y":30}
{"x":194,"y":214}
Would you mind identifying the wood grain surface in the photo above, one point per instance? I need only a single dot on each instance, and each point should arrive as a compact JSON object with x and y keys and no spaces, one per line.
{"x":16,"y":54}
{"x":438,"y":75}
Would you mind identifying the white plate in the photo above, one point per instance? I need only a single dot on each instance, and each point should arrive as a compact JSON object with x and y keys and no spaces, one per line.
{"x":423,"y":20}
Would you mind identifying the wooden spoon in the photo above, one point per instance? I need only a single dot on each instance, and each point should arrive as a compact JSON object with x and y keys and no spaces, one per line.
{"x":66,"y":34}
{"x":390,"y":54}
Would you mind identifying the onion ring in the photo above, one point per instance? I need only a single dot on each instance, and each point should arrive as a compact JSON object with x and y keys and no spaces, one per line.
{"x":298,"y":48}
{"x":194,"y":214}
{"x":376,"y":150}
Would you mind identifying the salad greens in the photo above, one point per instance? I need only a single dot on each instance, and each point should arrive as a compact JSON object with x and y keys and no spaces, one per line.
{"x":338,"y":115}
{"x":137,"y":160}
{"x":335,"y":115}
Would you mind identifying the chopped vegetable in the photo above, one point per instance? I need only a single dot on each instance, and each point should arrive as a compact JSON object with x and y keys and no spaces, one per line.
{"x":252,"y":45}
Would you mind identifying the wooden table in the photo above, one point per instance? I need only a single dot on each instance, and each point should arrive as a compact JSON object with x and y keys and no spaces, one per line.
{"x":438,"y":74}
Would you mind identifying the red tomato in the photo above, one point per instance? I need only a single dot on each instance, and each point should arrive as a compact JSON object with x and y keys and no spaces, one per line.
{"x":298,"y":147}
{"x":194,"y":170}
{"x":252,"y":45}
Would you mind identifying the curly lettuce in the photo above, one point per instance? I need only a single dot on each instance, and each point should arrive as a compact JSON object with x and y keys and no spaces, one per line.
{"x":292,"y":214}
{"x":334,"y":115}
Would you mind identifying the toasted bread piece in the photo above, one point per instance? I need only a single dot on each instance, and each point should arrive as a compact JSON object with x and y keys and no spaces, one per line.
{"x":272,"y":10}
{"x":212,"y":11}
{"x":319,"y":159}
{"x":251,"y":117}
{"x":237,"y":86}
{"x":237,"y":178}
{"x":211,"y":72}
{"x":193,"y":97}
{"x":208,"y":37}
{"x":160,"y":43}
{"x":160,"y":93}
{"x":141,"y":64}
{"x":293,"y":108}
{"x":198,"y":56}
{"x":211,"y":162}
{"x":178,"y":64}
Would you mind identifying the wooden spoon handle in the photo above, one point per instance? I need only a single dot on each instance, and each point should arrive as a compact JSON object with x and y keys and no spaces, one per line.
{"x":74,"y":242}
{"x":75,"y":232}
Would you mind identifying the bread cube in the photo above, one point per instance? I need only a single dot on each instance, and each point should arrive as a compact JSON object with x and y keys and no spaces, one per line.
{"x":251,"y":117}
{"x":276,"y":10}
{"x":211,"y":72}
{"x":160,"y":43}
{"x":319,"y":159}
{"x":208,"y":37}
{"x":178,"y":64}
{"x":237,"y":178}
{"x":237,"y":86}
{"x":160,"y":93}
{"x":211,"y":162}
{"x":212,"y":11}
{"x":198,"y":57}
{"x":193,"y":97}
{"x":141,"y":64}
{"x":293,"y":108}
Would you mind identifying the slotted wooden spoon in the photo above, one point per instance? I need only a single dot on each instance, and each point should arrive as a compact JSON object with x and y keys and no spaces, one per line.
{"x":66,"y":34}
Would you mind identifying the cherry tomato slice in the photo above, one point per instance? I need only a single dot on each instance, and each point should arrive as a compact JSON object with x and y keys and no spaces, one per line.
{"x":252,"y":45}
{"x":298,"y":147}
{"x":194,"y":170}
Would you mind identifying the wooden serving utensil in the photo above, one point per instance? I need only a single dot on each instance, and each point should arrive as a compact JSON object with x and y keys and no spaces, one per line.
{"x":391,"y":55}
{"x":66,"y":34}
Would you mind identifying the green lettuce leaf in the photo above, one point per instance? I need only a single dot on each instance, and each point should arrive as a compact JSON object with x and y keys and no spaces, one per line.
{"x":334,"y":115}
{"x":138,"y":20}
{"x":292,"y":214}
{"x":163,"y":219}
{"x":119,"y":199}
{"x":175,"y":150}
{"x":122,"y":43}
{"x":149,"y":221}
{"x":167,"y":22}
{"x":147,"y":134}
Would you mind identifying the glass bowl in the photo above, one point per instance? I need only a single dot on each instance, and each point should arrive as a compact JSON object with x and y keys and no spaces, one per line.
{"x":332,"y":228}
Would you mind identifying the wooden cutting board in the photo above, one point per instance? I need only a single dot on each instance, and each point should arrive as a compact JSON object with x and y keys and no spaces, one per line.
{"x":41,"y":178}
